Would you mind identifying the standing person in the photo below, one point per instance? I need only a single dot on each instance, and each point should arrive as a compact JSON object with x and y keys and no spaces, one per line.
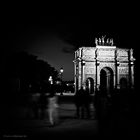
{"x":52,"y":106}
{"x":78,"y":103}
{"x":86,"y":103}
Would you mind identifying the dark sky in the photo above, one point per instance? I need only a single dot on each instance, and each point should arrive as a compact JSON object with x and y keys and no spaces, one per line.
{"x":55,"y":38}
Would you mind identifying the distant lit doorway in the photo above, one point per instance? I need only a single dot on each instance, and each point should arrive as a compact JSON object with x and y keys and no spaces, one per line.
{"x":90,"y":85}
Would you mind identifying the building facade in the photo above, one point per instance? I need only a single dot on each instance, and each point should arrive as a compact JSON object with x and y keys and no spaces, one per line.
{"x":103,"y":66}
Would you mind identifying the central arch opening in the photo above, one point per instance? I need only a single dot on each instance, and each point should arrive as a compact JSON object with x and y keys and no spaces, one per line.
{"x":106,"y":80}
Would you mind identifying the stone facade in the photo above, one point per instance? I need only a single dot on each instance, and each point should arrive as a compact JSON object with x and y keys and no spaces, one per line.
{"x":104,"y":66}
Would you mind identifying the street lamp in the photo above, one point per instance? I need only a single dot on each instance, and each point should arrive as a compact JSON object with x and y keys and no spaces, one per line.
{"x":61,"y":74}
{"x":51,"y":80}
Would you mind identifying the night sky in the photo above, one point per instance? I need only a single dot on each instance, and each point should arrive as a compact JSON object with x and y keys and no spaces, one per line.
{"x":55,"y":38}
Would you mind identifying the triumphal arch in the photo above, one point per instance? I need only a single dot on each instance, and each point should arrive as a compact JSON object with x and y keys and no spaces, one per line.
{"x":104,"y":66}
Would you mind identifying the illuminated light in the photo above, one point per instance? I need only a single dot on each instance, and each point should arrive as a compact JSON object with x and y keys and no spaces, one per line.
{"x":61,"y":74}
{"x":57,"y":82}
{"x":118,"y":63}
{"x":51,"y":80}
{"x":61,"y":70}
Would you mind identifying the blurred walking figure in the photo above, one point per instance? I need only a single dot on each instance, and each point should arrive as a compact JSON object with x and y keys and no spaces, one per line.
{"x":86,"y":104}
{"x":81,"y":103}
{"x":52,"y":105}
{"x":78,"y":102}
{"x":43,"y":105}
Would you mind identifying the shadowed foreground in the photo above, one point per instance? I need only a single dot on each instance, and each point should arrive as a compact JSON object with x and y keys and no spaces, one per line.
{"x":115,"y":122}
{"x":68,"y":125}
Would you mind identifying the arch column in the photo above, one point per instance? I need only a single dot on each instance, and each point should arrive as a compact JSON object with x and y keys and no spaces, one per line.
{"x":83,"y":79}
{"x":132,"y":59}
{"x":108,"y":82}
{"x":115,"y":81}
{"x":116,"y":75}
{"x":132,"y":75}
{"x":82,"y":72}
{"x":97,"y":75}
{"x":79,"y":75}
{"x":97,"y":70}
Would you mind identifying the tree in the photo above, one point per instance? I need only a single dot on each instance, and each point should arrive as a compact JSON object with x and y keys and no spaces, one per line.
{"x":31,"y":72}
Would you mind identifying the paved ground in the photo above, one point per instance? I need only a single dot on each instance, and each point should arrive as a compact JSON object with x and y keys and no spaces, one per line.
{"x":67,"y":125}
{"x":117,"y":123}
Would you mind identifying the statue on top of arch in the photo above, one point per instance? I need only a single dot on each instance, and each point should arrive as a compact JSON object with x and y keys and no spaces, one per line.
{"x":103,"y":42}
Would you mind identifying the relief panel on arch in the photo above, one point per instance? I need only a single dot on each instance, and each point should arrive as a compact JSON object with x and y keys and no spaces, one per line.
{"x":89,"y":64}
{"x":122,"y":52}
{"x":106,"y":53}
{"x":106,"y":59}
{"x":89,"y":70}
{"x":89,"y":54}
{"x":123,"y":70}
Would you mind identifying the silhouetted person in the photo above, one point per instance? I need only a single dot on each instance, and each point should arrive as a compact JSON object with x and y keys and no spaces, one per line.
{"x":52,"y":106}
{"x":102,"y":106}
{"x":82,"y":102}
{"x":78,"y":102}
{"x":86,"y":99}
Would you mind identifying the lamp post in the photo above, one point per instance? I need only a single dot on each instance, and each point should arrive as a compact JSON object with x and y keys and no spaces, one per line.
{"x":61,"y":74}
